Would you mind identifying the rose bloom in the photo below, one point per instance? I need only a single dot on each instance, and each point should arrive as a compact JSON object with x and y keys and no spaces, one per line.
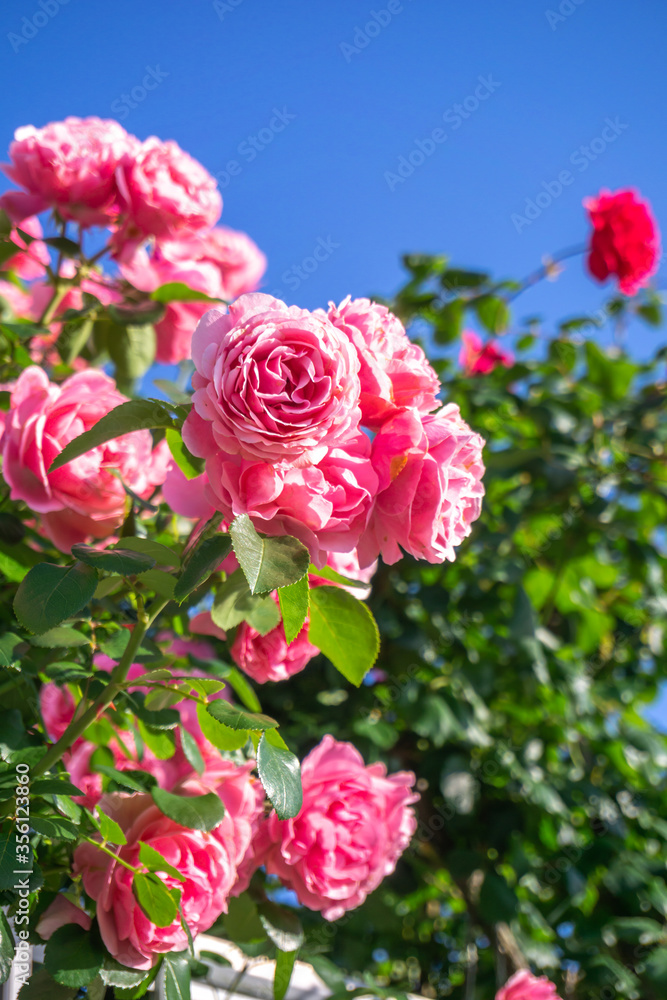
{"x":164,"y":192}
{"x":394,"y":372}
{"x":239,"y":262}
{"x":69,"y":166}
{"x":83,"y":499}
{"x":326,"y":506}
{"x":33,"y":256}
{"x":207,"y":864}
{"x":354,"y":824}
{"x":273,"y":383}
{"x":525,"y":986}
{"x":269,"y":657}
{"x":625,"y":241}
{"x":430,"y":470}
{"x":479,"y":358}
{"x":59,"y":913}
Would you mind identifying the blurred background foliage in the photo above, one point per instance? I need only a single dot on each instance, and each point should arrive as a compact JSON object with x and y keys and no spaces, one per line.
{"x":515,"y":681}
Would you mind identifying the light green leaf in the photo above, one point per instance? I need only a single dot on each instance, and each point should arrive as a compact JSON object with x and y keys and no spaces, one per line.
{"x":60,"y":638}
{"x":268,"y":563}
{"x":234,"y":604}
{"x":196,"y":812}
{"x":294,"y":604}
{"x":176,"y":291}
{"x":176,"y":976}
{"x":154,"y":862}
{"x":237,"y":718}
{"x":344,"y":630}
{"x":190,"y":466}
{"x":280,"y":773}
{"x":219,"y":735}
{"x":155,"y":900}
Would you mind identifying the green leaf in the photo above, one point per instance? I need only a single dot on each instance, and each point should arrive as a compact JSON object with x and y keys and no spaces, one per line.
{"x":327,"y":573}
{"x":109,"y":829}
{"x":613,"y":376}
{"x":49,"y":594}
{"x":176,"y":976}
{"x":281,"y":925}
{"x":154,"y":899}
{"x":8,"y":643}
{"x":126,"y":779}
{"x":54,"y":786}
{"x":176,"y":291}
{"x":497,"y":901}
{"x":54,"y":827}
{"x":68,"y":248}
{"x":161,"y":582}
{"x":12,"y":529}
{"x":73,"y":956}
{"x":283,"y":974}
{"x":115,"y":974}
{"x":132,"y":350}
{"x":196,"y":812}
{"x":219,"y":735}
{"x":344,"y":630}
{"x":189,"y":464}
{"x":280,"y":773}
{"x":192,"y":751}
{"x":41,"y":985}
{"x":7,"y":946}
{"x":134,"y":415}
{"x":134,"y":992}
{"x":60,"y":638}
{"x":162,"y":554}
{"x":202,"y":561}
{"x":136,"y":313}
{"x":294,"y":604}
{"x":234,"y":604}
{"x":493,"y":313}
{"x":125,"y":562}
{"x":268,"y":563}
{"x":73,"y":337}
{"x":237,"y":718}
{"x":242,"y":688}
{"x":154,"y":862}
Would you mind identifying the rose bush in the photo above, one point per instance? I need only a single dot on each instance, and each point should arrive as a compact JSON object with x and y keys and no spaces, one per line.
{"x":162,"y":559}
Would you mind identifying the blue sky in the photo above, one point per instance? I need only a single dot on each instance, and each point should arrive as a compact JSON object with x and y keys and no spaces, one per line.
{"x":336,"y":93}
{"x":318,"y":104}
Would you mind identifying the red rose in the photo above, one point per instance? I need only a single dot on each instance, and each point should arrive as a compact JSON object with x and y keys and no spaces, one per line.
{"x":625,"y":239}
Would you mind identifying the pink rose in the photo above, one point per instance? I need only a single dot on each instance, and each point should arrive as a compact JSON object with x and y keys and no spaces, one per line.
{"x":394,"y":372}
{"x":164,"y":192}
{"x":326,"y":505}
{"x":268,"y":657}
{"x":69,"y":166}
{"x":524,"y":986}
{"x":430,"y":470}
{"x":237,"y":259}
{"x":207,"y":864}
{"x":273,"y":383}
{"x":83,"y":499}
{"x":354,"y":824}
{"x":187,"y":497}
{"x":34,"y":255}
{"x":174,"y":330}
{"x":58,"y":914}
{"x":625,"y":239}
{"x":479,"y":358}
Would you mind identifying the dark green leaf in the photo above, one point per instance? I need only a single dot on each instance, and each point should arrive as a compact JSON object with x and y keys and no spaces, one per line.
{"x":176,"y":976}
{"x":234,"y":603}
{"x":162,"y":554}
{"x":136,"y":414}
{"x":7,"y":947}
{"x":49,"y":594}
{"x":237,"y":718}
{"x":283,"y":974}
{"x":60,"y":638}
{"x":202,"y":561}
{"x":281,"y":925}
{"x":125,"y":562}
{"x":73,"y":956}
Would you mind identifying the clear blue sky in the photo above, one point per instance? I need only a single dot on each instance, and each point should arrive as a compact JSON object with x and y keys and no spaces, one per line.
{"x":220,"y":70}
{"x":555,"y":71}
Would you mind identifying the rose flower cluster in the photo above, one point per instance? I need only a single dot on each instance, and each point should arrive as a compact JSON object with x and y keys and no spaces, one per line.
{"x":93,"y":173}
{"x":353,"y":826}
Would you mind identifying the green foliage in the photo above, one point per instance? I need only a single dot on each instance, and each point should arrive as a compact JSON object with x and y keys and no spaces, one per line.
{"x":280,"y":773}
{"x":268,"y":563}
{"x":345,"y":630}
